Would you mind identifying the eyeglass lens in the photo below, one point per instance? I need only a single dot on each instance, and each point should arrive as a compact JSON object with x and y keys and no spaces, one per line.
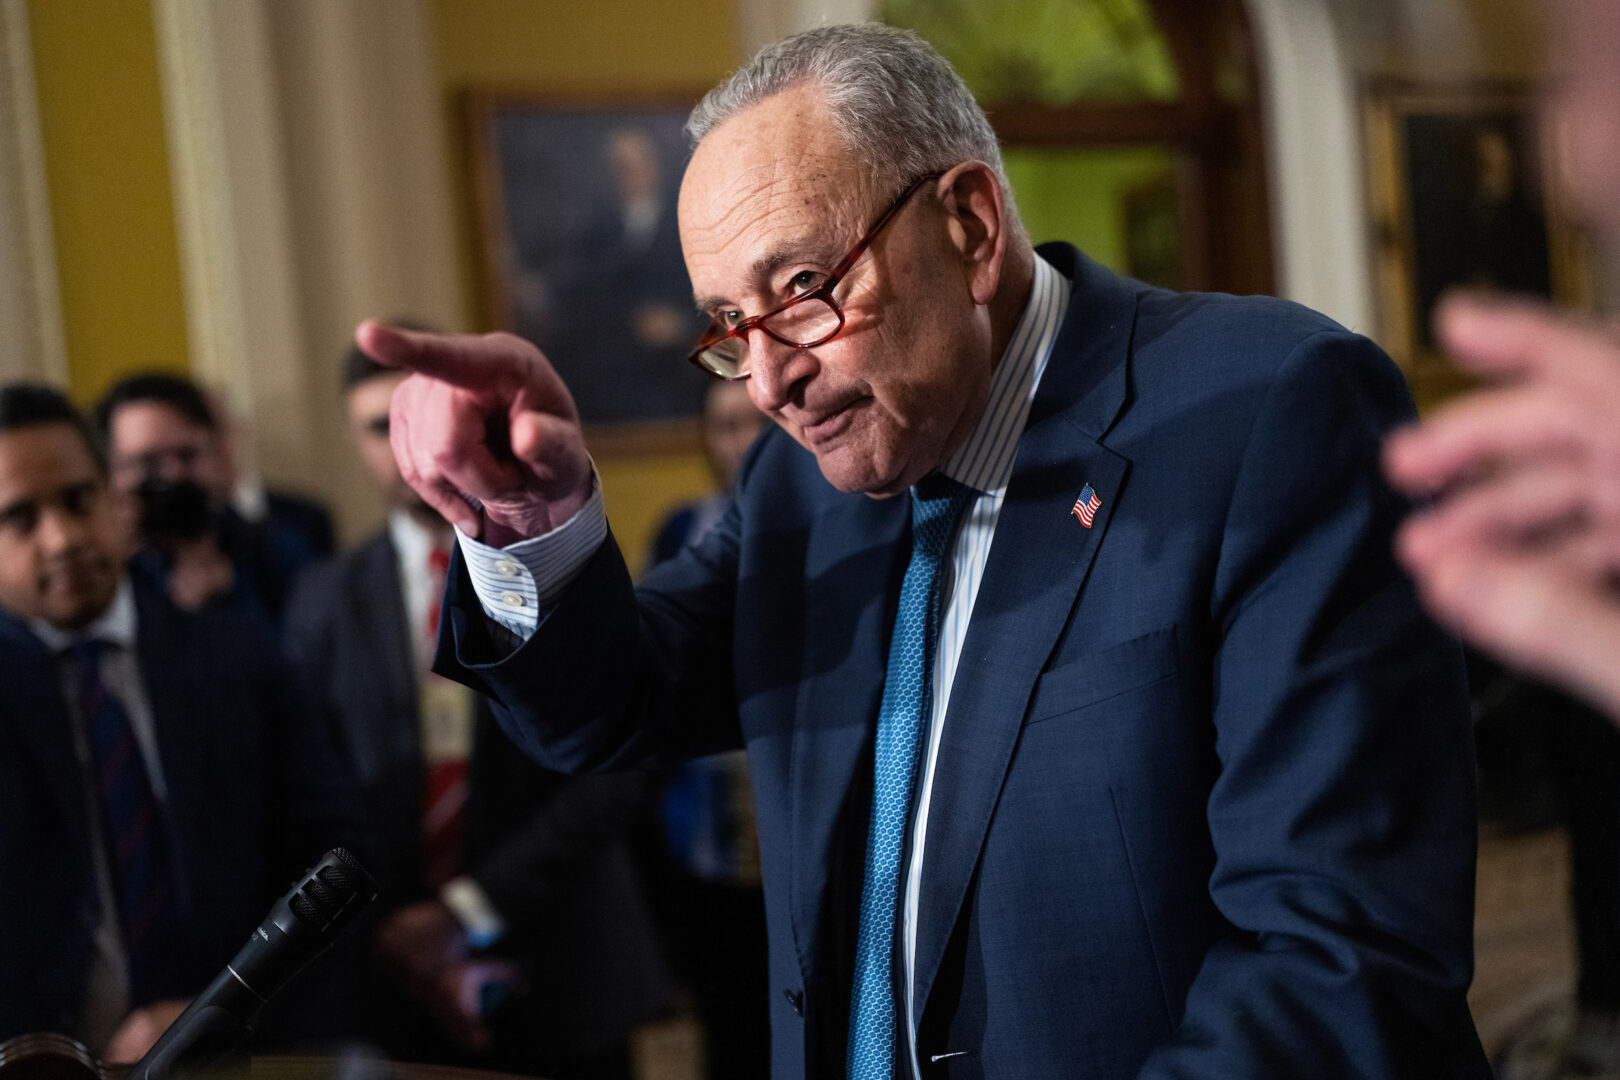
{"x":802,"y":324}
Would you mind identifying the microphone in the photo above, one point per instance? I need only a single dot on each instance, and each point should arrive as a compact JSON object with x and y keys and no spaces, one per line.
{"x":301,"y":926}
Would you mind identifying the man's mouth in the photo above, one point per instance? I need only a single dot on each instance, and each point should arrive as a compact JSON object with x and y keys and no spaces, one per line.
{"x":71,"y":576}
{"x":830,"y":424}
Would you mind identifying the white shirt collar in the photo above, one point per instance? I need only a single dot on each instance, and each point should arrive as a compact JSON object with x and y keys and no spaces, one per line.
{"x":116,"y":625}
{"x":985,"y":460}
{"x":251,"y":500}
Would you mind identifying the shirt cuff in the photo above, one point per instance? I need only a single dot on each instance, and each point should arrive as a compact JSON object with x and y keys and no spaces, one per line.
{"x":518,"y":584}
{"x":470,"y":905}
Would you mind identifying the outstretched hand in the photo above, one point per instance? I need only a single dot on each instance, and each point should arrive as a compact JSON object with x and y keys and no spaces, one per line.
{"x":484,"y":431}
{"x":1520,"y":552}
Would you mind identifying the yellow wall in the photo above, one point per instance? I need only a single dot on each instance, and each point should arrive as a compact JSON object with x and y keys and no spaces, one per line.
{"x":106,"y":161}
{"x":609,"y":47}
{"x":611,"y":44}
{"x":640,"y":492}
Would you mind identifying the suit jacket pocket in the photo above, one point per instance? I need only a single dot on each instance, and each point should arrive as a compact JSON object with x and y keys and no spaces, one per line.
{"x":1106,"y":673}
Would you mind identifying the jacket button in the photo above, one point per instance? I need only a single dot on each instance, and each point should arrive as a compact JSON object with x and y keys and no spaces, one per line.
{"x":795,"y":999}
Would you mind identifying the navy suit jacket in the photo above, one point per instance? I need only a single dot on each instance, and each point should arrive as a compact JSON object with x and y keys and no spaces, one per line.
{"x":551,"y":851}
{"x":255,"y":795}
{"x":1203,"y":804}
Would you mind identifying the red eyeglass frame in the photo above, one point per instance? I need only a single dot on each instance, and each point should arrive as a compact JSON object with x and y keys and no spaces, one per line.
{"x":822,"y":292}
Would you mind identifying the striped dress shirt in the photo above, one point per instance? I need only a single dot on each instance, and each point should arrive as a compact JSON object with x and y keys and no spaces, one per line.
{"x":985,"y":463}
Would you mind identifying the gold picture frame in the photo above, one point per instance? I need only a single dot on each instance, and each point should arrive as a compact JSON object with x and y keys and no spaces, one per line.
{"x":1460,"y":197}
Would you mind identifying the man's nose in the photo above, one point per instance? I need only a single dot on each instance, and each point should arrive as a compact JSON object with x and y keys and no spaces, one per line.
{"x":58,"y":530}
{"x":776,"y":371}
{"x":172,"y":468}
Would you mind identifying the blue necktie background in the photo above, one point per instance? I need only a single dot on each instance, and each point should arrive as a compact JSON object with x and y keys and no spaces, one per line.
{"x":135,"y":831}
{"x":936,"y":504}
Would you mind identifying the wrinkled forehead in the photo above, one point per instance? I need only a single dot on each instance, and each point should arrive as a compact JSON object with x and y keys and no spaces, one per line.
{"x":777,"y":173}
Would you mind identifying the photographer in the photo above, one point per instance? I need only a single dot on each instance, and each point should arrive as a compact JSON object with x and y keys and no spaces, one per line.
{"x":171,"y":467}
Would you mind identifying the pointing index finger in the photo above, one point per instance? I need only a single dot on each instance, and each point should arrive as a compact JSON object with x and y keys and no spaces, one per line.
{"x":472,"y":363}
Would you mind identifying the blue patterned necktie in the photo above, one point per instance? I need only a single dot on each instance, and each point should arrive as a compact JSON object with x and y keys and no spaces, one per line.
{"x":134,"y":830}
{"x":936,"y":502}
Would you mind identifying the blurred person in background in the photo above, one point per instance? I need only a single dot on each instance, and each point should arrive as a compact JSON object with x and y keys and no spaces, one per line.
{"x":704,"y":869}
{"x":173,"y":463}
{"x":513,"y":932}
{"x":731,"y":423}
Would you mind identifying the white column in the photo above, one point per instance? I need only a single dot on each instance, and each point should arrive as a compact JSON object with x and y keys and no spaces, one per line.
{"x":367,"y":167}
{"x":1314,"y":147}
{"x":31,"y":335}
{"x":311,"y":190}
{"x":231,"y":218}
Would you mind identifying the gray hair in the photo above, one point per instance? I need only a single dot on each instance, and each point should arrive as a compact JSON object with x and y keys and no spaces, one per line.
{"x":898,"y":104}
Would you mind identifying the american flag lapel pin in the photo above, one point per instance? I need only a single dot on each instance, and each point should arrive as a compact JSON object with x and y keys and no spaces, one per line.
{"x":1086,"y":506}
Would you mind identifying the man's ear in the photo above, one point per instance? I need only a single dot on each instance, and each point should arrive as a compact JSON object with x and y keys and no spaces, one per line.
{"x":976,"y":214}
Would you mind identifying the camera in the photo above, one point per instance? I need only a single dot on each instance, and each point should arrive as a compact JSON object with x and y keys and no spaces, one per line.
{"x":173,"y":510}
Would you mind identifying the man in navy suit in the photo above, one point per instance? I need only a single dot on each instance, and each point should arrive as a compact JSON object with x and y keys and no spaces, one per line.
{"x":513,"y":933}
{"x":160,"y":783}
{"x":1172,"y":779}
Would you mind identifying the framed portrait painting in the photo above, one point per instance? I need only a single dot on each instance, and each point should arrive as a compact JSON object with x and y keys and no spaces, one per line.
{"x":579,"y":250}
{"x":1461,"y":199}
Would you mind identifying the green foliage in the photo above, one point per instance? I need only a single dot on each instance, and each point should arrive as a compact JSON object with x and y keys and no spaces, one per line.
{"x":1054,"y":52}
{"x":1085,"y":196}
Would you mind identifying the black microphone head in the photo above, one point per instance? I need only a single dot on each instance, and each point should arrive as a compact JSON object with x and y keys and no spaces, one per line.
{"x":318,"y":908}
{"x":331,"y":887}
{"x":300,"y":926}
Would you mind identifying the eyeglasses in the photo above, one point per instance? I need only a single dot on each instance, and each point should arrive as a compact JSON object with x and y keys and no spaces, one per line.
{"x":809,"y":319}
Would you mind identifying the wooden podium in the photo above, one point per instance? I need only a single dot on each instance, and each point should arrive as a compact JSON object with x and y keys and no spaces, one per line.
{"x":50,"y":1056}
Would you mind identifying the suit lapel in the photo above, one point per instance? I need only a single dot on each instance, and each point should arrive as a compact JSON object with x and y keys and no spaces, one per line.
{"x":1037,"y":565}
{"x":166,"y":664}
{"x":171,"y":656}
{"x":33,"y":702}
{"x":851,"y":579}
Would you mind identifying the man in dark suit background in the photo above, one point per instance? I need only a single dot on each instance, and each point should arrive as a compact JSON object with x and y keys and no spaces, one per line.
{"x":702,"y":858}
{"x":1150,"y":768}
{"x":160,"y":780}
{"x":174,"y":459}
{"x":512,"y":914}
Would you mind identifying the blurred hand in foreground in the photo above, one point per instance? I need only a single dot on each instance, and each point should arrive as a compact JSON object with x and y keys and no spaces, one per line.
{"x":1520,"y":552}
